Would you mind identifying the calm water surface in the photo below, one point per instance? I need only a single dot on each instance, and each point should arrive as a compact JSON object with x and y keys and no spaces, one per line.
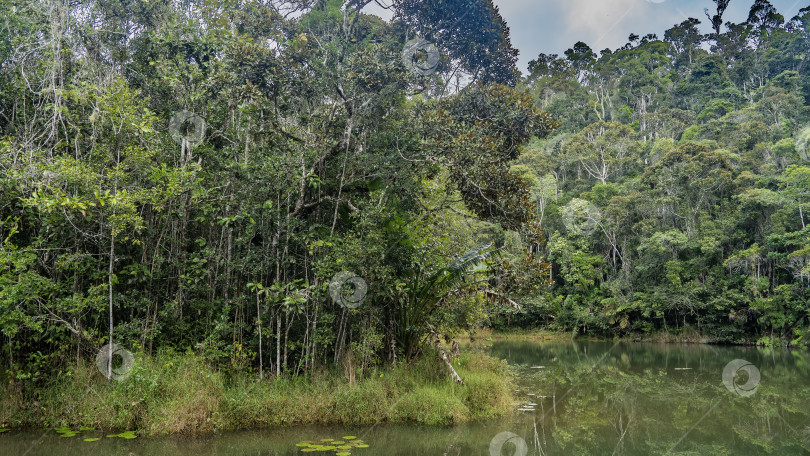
{"x":594,"y":398}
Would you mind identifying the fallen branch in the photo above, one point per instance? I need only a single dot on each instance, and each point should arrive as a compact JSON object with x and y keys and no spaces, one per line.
{"x":443,"y":355}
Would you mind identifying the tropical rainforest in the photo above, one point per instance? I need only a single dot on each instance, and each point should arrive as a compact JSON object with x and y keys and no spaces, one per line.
{"x":195,"y":175}
{"x":681,"y":163}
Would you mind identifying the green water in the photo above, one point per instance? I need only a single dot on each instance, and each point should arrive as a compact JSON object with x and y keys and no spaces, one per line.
{"x":594,"y":398}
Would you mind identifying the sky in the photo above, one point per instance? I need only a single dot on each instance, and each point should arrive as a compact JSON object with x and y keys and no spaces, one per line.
{"x":552,"y":26}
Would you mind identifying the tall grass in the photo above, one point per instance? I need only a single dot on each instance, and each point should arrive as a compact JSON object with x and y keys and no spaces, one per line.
{"x":180,"y":394}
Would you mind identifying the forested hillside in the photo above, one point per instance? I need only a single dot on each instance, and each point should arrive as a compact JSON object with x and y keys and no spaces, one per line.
{"x":191,"y":176}
{"x":278,"y":186}
{"x":675,"y":192}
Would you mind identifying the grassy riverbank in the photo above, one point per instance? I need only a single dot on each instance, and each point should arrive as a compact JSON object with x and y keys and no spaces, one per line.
{"x":180,"y":394}
{"x":483,"y":337}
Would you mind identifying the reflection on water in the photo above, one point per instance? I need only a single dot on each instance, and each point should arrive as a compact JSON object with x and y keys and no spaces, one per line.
{"x":383,"y":440}
{"x":638,"y":399}
{"x":577,"y":398}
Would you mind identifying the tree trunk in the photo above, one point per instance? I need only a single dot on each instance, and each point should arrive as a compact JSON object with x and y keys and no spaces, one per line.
{"x":278,"y":344}
{"x":110,"y":283}
{"x":393,"y":340}
{"x":259,"y":323}
{"x":287,"y":324}
{"x":313,"y":338}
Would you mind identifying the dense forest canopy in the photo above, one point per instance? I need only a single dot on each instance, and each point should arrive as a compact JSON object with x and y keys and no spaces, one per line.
{"x":192,"y":175}
{"x":690,"y":154}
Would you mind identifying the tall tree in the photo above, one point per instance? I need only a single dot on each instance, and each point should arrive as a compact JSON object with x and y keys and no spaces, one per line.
{"x":717,"y":19}
{"x":472,"y":32}
{"x":685,"y":39}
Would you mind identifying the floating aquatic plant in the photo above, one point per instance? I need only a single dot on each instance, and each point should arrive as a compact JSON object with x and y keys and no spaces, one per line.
{"x":341,"y":447}
{"x":66,"y":432}
{"x":124,"y":435}
{"x":2,"y":430}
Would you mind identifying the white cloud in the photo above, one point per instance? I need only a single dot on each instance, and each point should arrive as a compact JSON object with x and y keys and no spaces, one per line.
{"x":374,"y":8}
{"x":552,"y":26}
{"x":603,"y":23}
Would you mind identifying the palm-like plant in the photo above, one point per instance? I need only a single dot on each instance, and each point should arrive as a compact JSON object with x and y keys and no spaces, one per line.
{"x":425,"y":292}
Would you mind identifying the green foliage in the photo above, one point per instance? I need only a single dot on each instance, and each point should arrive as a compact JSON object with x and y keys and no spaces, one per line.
{"x":698,"y":173}
{"x":305,"y":148}
{"x":321,"y":153}
{"x":472,"y":31}
{"x":181,"y":394}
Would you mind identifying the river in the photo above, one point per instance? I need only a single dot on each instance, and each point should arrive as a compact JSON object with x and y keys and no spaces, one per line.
{"x":577,"y":398}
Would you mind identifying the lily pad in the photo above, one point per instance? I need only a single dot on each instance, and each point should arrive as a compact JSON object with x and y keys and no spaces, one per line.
{"x":66,"y":432}
{"x":340,"y":447}
{"x":91,"y":439}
